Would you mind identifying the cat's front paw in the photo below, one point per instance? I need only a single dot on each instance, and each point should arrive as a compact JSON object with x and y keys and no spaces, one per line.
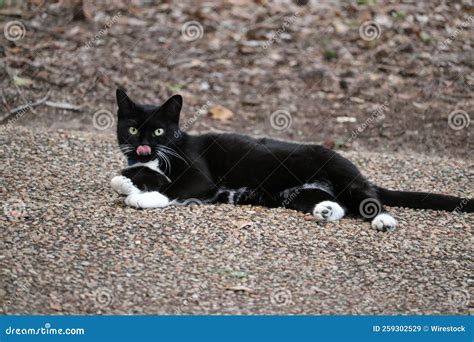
{"x":123,"y":185}
{"x":328,"y":211}
{"x":147,"y":200}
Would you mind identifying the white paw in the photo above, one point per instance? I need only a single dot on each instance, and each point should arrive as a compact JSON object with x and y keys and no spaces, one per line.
{"x":145,"y":200}
{"x":328,"y":211}
{"x":123,"y":185}
{"x":384,"y":222}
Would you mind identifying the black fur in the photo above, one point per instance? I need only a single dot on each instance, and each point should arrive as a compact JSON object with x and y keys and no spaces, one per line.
{"x":234,"y":168}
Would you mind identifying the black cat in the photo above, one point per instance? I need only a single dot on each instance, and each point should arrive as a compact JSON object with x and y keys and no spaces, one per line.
{"x":168,"y":166}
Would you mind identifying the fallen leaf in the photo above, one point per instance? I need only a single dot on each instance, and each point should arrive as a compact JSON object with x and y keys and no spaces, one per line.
{"x":340,"y":27}
{"x":242,"y":223}
{"x":357,"y":99}
{"x":239,"y":288}
{"x":22,"y":81}
{"x":220,"y":113}
{"x":131,"y":21}
{"x":344,"y":119}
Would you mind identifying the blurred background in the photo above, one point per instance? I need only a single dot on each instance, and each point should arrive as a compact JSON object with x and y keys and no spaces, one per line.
{"x":362,"y":74}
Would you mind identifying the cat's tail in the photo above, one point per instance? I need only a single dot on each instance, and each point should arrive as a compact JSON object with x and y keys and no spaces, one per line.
{"x":424,"y":200}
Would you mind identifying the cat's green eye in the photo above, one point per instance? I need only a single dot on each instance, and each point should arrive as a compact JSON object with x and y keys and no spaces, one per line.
{"x":133,"y":130}
{"x":158,"y":132}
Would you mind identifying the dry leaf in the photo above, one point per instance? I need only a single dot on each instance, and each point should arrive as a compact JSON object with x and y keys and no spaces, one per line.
{"x":344,"y":119}
{"x":242,"y":223}
{"x":22,"y":81}
{"x":131,"y":21}
{"x":340,"y":27}
{"x":220,"y":113}
{"x":239,"y":288}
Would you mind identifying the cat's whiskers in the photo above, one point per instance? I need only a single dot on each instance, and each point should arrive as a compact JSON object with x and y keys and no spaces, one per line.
{"x":166,"y":162}
{"x":171,"y":152}
{"x":126,"y":148}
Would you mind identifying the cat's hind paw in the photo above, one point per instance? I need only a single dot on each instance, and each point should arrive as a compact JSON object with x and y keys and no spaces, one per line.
{"x":328,"y":211}
{"x":123,"y":185}
{"x":384,"y":222}
{"x":147,"y":200}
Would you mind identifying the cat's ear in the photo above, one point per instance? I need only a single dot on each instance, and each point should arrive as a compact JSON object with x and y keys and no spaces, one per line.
{"x":172,"y":107}
{"x":124,"y":103}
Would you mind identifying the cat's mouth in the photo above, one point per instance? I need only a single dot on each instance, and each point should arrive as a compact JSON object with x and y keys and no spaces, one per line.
{"x":144,"y":153}
{"x":143,"y":150}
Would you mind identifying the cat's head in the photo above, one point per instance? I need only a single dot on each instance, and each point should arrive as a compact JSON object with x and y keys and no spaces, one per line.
{"x":144,"y":130}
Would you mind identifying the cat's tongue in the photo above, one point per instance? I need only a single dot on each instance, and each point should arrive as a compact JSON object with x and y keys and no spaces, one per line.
{"x":143,"y":150}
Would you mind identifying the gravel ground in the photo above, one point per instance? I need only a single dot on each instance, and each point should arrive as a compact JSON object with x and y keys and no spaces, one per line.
{"x":69,"y":246}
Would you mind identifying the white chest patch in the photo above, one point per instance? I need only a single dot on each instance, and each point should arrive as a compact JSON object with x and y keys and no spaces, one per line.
{"x":152,"y":165}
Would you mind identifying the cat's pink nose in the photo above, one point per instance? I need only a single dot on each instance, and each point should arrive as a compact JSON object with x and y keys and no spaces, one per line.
{"x":143,"y":150}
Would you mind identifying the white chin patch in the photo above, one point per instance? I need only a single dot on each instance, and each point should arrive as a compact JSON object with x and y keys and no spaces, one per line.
{"x":328,"y":211}
{"x":384,"y":222}
{"x":147,"y":200}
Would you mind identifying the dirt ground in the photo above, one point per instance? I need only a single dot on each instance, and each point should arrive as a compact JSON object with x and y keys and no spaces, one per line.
{"x":68,"y":245}
{"x":382,"y":75}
